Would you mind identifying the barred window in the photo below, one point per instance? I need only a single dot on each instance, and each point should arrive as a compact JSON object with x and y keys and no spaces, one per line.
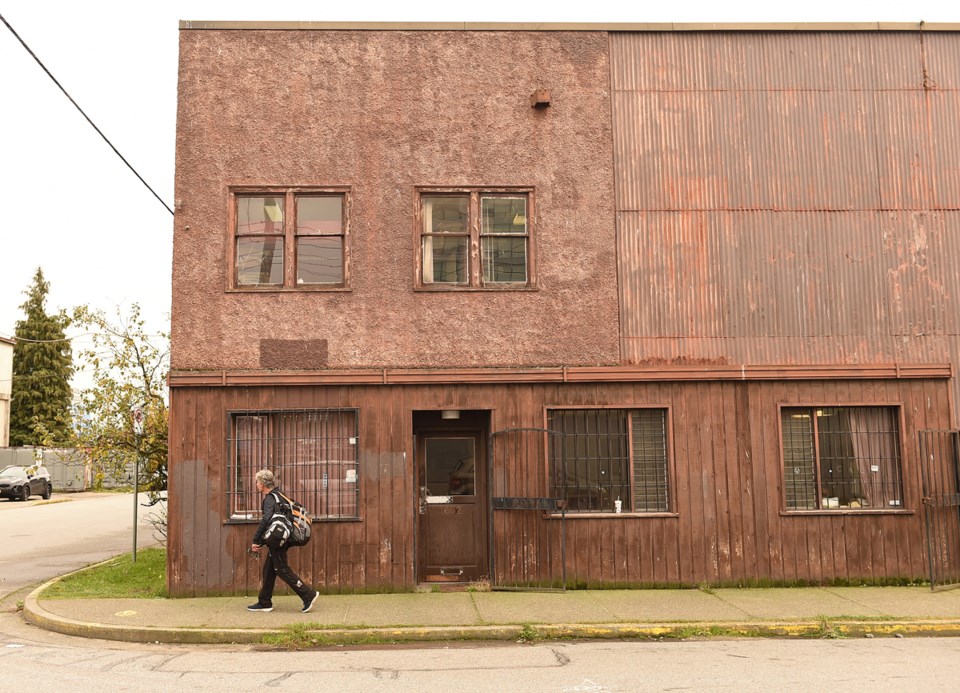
{"x":841,"y":458}
{"x":312,"y":452}
{"x":608,"y":455}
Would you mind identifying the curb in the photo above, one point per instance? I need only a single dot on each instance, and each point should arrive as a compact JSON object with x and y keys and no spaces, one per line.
{"x":35,"y":614}
{"x":38,"y":616}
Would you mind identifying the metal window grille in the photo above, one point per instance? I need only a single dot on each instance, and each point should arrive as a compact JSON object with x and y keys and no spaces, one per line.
{"x":841,"y":458}
{"x":610,"y":455}
{"x":650,"y":488}
{"x":312,"y":453}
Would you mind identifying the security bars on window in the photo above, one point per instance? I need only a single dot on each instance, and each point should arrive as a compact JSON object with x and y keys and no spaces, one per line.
{"x":610,"y":455}
{"x":841,"y":458}
{"x":312,"y":452}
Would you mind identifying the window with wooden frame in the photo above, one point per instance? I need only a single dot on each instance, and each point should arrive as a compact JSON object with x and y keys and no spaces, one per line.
{"x":841,"y":458}
{"x":312,"y":452}
{"x":610,"y":460}
{"x":290,"y":239}
{"x":474,"y":239}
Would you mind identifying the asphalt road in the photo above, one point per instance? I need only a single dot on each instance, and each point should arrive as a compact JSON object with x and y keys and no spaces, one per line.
{"x":43,"y":539}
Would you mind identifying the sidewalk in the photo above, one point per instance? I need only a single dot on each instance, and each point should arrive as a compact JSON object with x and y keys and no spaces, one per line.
{"x":422,"y":616}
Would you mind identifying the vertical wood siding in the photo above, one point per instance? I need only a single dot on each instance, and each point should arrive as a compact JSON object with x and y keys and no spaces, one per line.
{"x":727,"y":481}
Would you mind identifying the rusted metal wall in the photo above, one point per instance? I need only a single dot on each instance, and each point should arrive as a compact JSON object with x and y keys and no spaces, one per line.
{"x":727,"y":527}
{"x":788,"y":197}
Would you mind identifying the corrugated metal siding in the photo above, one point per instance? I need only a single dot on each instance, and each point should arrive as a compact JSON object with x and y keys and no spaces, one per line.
{"x":787,"y":198}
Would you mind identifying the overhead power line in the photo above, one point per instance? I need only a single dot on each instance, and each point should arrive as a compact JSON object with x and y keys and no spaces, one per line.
{"x":92,"y":124}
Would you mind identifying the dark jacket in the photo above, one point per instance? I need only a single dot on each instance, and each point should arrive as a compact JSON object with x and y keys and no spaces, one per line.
{"x":269,"y":507}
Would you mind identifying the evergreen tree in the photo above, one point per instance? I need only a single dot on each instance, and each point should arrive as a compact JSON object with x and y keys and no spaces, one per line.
{"x":42,"y":367}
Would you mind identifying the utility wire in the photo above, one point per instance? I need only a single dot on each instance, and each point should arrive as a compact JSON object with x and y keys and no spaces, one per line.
{"x":92,"y":124}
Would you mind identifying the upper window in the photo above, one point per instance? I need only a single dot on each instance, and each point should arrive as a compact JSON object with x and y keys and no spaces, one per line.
{"x":475,"y":239}
{"x":312,"y":452}
{"x":290,"y":239}
{"x":841,"y":458}
{"x":610,"y":460}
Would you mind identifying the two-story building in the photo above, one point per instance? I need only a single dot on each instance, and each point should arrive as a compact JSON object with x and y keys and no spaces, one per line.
{"x":6,"y":388}
{"x":566,"y":304}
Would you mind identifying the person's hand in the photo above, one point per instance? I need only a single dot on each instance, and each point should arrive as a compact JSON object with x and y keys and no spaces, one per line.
{"x":255,"y":548}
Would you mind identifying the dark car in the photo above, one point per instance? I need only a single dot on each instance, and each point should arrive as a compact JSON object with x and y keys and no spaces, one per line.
{"x":19,"y":483}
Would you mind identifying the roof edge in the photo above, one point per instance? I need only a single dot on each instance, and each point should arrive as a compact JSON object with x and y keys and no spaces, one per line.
{"x":194,"y":25}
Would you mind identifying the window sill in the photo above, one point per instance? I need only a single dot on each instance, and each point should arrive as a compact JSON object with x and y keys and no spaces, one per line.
{"x":315,"y":521}
{"x":287,"y":289}
{"x":432,"y":288}
{"x":843,"y":511}
{"x":608,"y":516}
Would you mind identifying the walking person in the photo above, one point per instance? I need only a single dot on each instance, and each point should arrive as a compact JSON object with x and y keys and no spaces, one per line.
{"x":276,"y":563}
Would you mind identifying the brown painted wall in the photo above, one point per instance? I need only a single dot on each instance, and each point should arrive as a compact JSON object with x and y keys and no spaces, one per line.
{"x":384,"y":112}
{"x":728,"y":525}
{"x":788,"y":198}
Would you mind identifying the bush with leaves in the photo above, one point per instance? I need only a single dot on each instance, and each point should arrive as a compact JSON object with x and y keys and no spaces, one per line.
{"x":128,"y":368}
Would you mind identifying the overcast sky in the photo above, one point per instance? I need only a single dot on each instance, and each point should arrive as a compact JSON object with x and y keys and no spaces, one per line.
{"x":72,"y":207}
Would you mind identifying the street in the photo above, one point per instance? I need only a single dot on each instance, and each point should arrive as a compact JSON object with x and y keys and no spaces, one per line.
{"x":43,"y":540}
{"x":713,"y":665}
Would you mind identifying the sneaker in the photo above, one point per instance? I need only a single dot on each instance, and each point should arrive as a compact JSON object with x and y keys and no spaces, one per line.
{"x":309,"y":605}
{"x":259,"y":607}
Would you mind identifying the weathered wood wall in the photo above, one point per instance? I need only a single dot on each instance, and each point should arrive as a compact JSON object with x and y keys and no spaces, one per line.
{"x":728,"y":526}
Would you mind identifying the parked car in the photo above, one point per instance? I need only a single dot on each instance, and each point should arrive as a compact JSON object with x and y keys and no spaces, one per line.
{"x":19,"y":483}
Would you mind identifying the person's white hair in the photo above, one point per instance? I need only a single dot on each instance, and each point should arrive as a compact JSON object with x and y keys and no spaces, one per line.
{"x":266,"y":478}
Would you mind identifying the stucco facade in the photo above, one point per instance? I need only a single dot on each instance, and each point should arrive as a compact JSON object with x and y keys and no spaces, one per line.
{"x":384,"y":113}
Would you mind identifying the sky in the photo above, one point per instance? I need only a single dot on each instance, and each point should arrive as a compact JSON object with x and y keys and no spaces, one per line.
{"x":72,"y":207}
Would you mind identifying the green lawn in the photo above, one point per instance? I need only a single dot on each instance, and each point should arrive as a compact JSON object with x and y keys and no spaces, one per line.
{"x":120,"y":578}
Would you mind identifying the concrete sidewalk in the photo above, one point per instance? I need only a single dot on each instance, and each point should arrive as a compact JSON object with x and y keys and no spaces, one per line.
{"x":788,"y":612}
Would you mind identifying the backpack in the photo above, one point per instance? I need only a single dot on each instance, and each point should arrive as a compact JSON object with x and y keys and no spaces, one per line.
{"x":290,"y":524}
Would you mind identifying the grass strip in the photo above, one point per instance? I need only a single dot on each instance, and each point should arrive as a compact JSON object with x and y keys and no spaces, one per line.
{"x":120,"y":578}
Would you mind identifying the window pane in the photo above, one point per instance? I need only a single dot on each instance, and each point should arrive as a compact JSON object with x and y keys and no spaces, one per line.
{"x":504,"y":259}
{"x":250,"y":454}
{"x":319,"y":215}
{"x":445,"y":259}
{"x":590,"y":461}
{"x":259,"y":215}
{"x":445,"y":214}
{"x":798,"y":459}
{"x":259,"y":260}
{"x":859,"y":457}
{"x":320,"y":260}
{"x":450,"y":466}
{"x":313,"y":454}
{"x":856,"y":458}
{"x":504,"y":215}
{"x":650,"y":491}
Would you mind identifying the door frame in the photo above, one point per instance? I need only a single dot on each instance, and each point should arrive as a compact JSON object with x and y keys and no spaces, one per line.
{"x":476,"y":424}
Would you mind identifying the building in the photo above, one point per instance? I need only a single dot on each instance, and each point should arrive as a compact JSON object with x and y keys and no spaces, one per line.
{"x":632,"y":305}
{"x":6,"y":388}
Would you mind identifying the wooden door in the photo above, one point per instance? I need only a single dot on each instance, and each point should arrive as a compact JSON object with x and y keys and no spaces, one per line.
{"x":452,"y":528}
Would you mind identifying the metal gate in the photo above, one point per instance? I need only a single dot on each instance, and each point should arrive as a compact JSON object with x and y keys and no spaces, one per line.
{"x":940,"y":465}
{"x":527,"y":524}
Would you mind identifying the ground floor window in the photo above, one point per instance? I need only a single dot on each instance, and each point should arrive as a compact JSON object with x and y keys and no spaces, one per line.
{"x":313,"y":453}
{"x":841,"y":458}
{"x":610,"y":460}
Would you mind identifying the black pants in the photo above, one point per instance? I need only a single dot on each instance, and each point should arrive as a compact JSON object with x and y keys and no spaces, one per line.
{"x":276,"y":564}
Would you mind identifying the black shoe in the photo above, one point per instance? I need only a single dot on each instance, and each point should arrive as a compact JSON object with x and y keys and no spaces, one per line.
{"x":309,"y":605}
{"x":259,"y":607}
